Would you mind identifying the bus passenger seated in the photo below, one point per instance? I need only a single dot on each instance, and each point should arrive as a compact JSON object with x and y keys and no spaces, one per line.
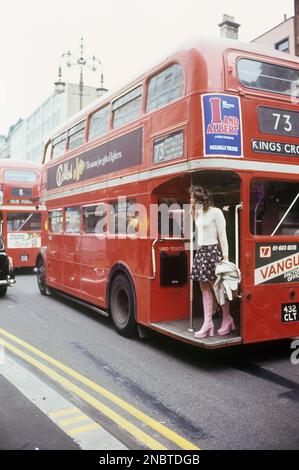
{"x":132,"y":224}
{"x":211,"y":228}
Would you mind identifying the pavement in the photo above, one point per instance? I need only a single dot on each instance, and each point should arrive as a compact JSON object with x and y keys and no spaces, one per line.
{"x":24,"y":427}
{"x":48,"y":413}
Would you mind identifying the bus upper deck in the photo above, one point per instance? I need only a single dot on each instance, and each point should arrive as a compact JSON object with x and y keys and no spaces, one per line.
{"x":167,"y":98}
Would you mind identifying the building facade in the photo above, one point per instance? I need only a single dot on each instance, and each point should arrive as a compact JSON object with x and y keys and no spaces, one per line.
{"x":2,"y":146}
{"x":26,"y":139}
{"x":285,"y":36}
{"x":17,"y":139}
{"x":281,"y":37}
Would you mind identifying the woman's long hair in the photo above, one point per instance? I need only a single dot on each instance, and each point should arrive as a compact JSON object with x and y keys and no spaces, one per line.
{"x":202,"y":195}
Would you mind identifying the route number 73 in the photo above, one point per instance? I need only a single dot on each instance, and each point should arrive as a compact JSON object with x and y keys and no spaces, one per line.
{"x":287,"y":121}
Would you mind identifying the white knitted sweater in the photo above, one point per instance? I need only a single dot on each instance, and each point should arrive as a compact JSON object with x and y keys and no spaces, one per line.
{"x":211,"y":228}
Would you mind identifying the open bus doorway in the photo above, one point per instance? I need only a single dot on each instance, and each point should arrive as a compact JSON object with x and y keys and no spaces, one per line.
{"x":226,"y":188}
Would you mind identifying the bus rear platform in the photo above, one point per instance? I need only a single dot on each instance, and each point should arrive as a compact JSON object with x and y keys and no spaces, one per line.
{"x":179,"y":329}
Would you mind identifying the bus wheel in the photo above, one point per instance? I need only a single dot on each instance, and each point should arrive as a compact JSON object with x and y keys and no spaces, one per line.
{"x":3,"y":291}
{"x":41,"y":277}
{"x":123,"y":306}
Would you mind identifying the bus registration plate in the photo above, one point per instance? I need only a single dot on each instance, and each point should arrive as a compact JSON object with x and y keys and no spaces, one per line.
{"x":290,"y":312}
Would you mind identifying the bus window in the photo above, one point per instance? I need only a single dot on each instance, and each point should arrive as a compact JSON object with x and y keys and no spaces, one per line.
{"x":123,"y":218}
{"x":171,"y":218}
{"x":94,"y":218}
{"x":72,"y":220}
{"x":55,"y":221}
{"x":58,"y":145}
{"x":274,"y":208}
{"x":20,"y":176}
{"x":23,"y":222}
{"x":48,"y":152}
{"x":76,"y":136}
{"x":165,"y":87}
{"x":268,"y":77}
{"x":127,"y":107}
{"x":99,"y":123}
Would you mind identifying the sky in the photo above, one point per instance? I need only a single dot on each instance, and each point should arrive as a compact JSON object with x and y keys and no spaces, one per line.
{"x":127,"y":35}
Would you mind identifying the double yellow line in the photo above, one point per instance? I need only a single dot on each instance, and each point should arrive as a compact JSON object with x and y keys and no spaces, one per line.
{"x":132,"y":429}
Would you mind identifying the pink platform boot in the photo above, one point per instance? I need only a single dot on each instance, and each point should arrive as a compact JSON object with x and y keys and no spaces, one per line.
{"x":228,"y":323}
{"x":207,"y":328}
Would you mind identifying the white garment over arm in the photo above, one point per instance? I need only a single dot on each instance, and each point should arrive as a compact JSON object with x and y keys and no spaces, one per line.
{"x":211,"y":228}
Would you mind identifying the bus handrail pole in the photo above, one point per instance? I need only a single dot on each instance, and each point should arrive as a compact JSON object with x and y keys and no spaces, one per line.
{"x":191,"y":326}
{"x":237,"y":246}
{"x":154,"y":259}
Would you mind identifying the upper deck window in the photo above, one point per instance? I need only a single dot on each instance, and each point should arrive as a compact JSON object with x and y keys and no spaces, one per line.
{"x":76,"y":135}
{"x":20,"y":176}
{"x":165,"y":87}
{"x":268,"y":77}
{"x":127,"y":107}
{"x":99,"y":123}
{"x":58,"y":145}
{"x":48,"y":152}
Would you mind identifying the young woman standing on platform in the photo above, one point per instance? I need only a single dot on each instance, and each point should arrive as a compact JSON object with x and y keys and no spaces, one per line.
{"x":211,"y":234}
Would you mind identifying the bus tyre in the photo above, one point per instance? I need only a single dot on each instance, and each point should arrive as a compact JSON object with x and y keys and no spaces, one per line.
{"x":3,"y":291}
{"x":41,"y":277}
{"x":123,"y":306}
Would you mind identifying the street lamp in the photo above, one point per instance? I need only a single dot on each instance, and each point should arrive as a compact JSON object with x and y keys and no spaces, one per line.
{"x":59,"y":85}
{"x":92,"y":63}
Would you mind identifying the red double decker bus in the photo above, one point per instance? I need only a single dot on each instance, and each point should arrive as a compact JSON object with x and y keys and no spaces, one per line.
{"x":220,"y":113}
{"x":22,"y":219}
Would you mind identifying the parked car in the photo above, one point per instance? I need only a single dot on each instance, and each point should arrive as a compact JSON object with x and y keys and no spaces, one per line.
{"x":6,"y":270}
